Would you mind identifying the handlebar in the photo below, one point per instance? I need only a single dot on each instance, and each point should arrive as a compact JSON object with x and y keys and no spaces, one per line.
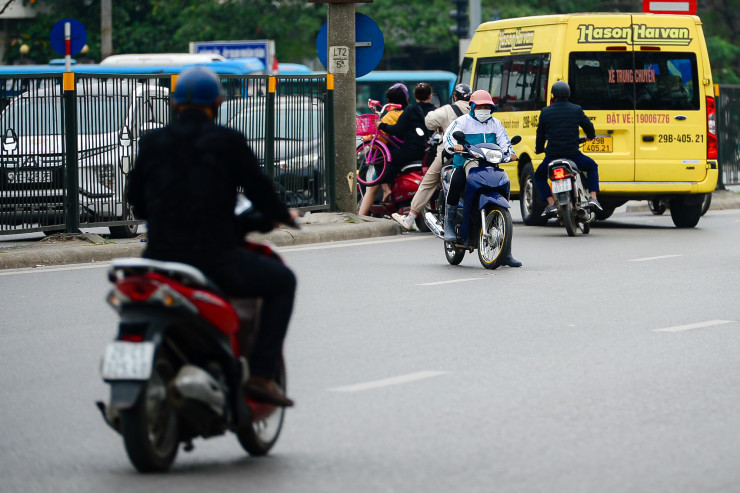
{"x":374,"y":104}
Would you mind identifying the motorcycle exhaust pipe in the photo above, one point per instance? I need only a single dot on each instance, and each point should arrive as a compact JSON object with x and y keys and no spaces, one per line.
{"x":433,"y":225}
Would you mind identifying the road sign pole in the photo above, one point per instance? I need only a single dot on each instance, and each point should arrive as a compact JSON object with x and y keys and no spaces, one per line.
{"x":67,"y":47}
{"x":341,"y":63}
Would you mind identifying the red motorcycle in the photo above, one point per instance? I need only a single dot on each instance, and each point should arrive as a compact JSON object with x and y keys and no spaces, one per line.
{"x":405,"y":185}
{"x":178,"y":365}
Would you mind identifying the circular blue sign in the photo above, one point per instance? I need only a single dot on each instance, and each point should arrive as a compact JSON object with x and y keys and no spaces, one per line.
{"x":369,"y":44}
{"x":78,"y":36}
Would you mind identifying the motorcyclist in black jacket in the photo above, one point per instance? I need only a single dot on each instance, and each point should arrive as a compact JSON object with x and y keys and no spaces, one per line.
{"x":558,"y":125}
{"x":184,"y":183}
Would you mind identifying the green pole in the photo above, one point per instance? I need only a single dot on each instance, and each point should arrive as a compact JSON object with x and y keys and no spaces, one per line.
{"x":270,"y":128}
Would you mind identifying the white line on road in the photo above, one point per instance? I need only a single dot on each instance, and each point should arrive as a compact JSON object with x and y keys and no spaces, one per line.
{"x":386,"y":382}
{"x":700,"y":325}
{"x":451,"y":281}
{"x":42,"y":269}
{"x":351,"y":243}
{"x":653,"y":258}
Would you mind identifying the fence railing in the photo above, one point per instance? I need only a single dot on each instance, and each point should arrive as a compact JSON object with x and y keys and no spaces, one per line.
{"x":728,"y":134}
{"x":68,"y":143}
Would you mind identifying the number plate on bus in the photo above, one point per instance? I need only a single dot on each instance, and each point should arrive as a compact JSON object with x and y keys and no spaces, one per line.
{"x":128,"y":361}
{"x":599,"y":144}
{"x":29,"y":176}
{"x":561,"y":186}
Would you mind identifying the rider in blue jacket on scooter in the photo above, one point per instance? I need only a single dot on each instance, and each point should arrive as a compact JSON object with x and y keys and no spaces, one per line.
{"x":478,"y":126}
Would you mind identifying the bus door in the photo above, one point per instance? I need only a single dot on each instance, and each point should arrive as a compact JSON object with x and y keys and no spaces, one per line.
{"x":670,"y":119}
{"x":600,"y":83}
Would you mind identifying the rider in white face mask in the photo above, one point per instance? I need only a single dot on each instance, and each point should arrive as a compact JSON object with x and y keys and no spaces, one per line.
{"x":478,"y":126}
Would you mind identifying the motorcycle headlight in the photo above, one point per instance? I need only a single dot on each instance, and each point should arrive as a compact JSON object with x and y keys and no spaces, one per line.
{"x":493,"y":156}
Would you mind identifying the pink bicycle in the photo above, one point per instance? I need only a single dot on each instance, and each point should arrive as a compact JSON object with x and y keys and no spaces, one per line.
{"x":373,"y":155}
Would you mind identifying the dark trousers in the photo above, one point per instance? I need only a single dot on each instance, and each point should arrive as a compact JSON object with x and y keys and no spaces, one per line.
{"x":253,"y":275}
{"x":457,"y":185}
{"x":400,"y":157}
{"x":583,"y":162}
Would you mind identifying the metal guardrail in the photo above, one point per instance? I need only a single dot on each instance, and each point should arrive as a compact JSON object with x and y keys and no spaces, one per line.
{"x":68,"y":143}
{"x":728,"y":134}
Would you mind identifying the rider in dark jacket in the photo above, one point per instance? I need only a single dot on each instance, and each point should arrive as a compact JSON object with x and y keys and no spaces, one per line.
{"x":185,"y":184}
{"x":558,"y":125}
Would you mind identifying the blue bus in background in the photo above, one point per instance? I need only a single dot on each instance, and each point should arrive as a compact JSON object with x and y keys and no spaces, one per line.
{"x":374,"y":85}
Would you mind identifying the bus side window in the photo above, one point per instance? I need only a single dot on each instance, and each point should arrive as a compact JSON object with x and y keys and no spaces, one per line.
{"x":544,"y":76}
{"x":489,"y":77}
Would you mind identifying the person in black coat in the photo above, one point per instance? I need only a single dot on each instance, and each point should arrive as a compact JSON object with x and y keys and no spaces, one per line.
{"x":184,"y":183}
{"x":558,"y":125}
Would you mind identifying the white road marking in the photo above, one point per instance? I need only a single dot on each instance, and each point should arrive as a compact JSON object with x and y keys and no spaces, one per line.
{"x":350,"y":243}
{"x":451,"y":281}
{"x":653,"y":258}
{"x":42,"y":269}
{"x":386,"y":382}
{"x":700,"y":325}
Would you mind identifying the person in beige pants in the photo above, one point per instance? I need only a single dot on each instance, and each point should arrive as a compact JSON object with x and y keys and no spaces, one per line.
{"x":437,"y":120}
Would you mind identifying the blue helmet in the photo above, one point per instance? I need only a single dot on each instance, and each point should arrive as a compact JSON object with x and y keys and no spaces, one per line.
{"x":197,"y":85}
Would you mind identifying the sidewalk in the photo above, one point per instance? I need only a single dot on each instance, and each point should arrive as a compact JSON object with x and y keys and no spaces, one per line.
{"x":84,"y":248}
{"x":317,"y":228}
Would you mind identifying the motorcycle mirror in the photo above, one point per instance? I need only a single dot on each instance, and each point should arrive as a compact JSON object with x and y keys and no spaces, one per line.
{"x":459,"y":136}
{"x":516,"y":139}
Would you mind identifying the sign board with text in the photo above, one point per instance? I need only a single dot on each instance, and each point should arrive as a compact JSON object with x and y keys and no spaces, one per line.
{"x":369,"y":48}
{"x":263,"y":49}
{"x":686,"y":7}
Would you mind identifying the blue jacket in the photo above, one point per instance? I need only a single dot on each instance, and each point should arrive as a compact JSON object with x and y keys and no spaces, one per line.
{"x":476,"y":132}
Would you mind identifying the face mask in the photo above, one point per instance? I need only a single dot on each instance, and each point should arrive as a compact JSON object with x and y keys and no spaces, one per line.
{"x":482,"y":115}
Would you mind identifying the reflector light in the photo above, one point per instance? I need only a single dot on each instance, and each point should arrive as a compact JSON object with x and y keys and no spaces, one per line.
{"x":137,"y":290}
{"x":711,"y":129}
{"x":558,"y":173}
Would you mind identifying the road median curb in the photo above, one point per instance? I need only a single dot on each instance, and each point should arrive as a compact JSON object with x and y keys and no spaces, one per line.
{"x":319,"y":228}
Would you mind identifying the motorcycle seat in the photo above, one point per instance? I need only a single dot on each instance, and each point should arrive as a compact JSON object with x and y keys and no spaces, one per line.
{"x":563,"y":162}
{"x":412,"y":166}
{"x":183,"y":273}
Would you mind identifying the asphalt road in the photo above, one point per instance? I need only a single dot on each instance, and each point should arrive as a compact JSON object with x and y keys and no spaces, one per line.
{"x":607,"y":363}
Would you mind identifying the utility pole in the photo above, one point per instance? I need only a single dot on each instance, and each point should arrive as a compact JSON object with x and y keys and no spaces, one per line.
{"x":106,"y":28}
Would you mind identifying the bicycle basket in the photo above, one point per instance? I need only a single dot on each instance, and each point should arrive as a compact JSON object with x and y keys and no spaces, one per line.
{"x":367,"y":124}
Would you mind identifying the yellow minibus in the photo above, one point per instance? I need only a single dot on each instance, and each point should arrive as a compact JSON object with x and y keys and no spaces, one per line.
{"x":644,"y":81}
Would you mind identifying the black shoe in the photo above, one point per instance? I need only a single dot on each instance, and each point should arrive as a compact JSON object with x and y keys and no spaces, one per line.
{"x":511,"y":261}
{"x":265,"y":390}
{"x":550,"y":211}
{"x":594,"y":204}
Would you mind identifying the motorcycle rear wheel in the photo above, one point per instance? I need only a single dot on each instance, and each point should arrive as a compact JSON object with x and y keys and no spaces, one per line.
{"x":498,"y":227}
{"x":262,"y":435}
{"x":150,"y":428}
{"x":569,"y":219}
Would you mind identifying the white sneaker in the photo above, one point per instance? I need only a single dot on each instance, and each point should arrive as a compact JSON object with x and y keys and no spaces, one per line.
{"x":401,"y":220}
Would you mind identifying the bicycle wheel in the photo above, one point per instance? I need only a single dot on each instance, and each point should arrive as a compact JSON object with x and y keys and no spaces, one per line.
{"x":372,"y":162}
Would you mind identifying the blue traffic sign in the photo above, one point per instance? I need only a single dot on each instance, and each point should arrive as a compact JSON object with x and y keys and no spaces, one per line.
{"x":369,"y":44}
{"x":78,"y":37}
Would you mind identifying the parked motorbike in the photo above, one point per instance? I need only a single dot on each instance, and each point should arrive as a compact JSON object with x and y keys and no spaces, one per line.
{"x":571,"y":195}
{"x":405,"y":185}
{"x":178,"y":364}
{"x":483,"y":219}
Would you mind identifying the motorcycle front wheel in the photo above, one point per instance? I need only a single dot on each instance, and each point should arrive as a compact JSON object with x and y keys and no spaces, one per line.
{"x":150,"y":428}
{"x":494,"y":238}
{"x":264,"y":431}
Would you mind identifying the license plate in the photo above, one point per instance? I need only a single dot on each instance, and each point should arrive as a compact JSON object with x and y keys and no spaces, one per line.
{"x":561,"y":186}
{"x":128,"y":361}
{"x":29,"y":176}
{"x":599,"y":144}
